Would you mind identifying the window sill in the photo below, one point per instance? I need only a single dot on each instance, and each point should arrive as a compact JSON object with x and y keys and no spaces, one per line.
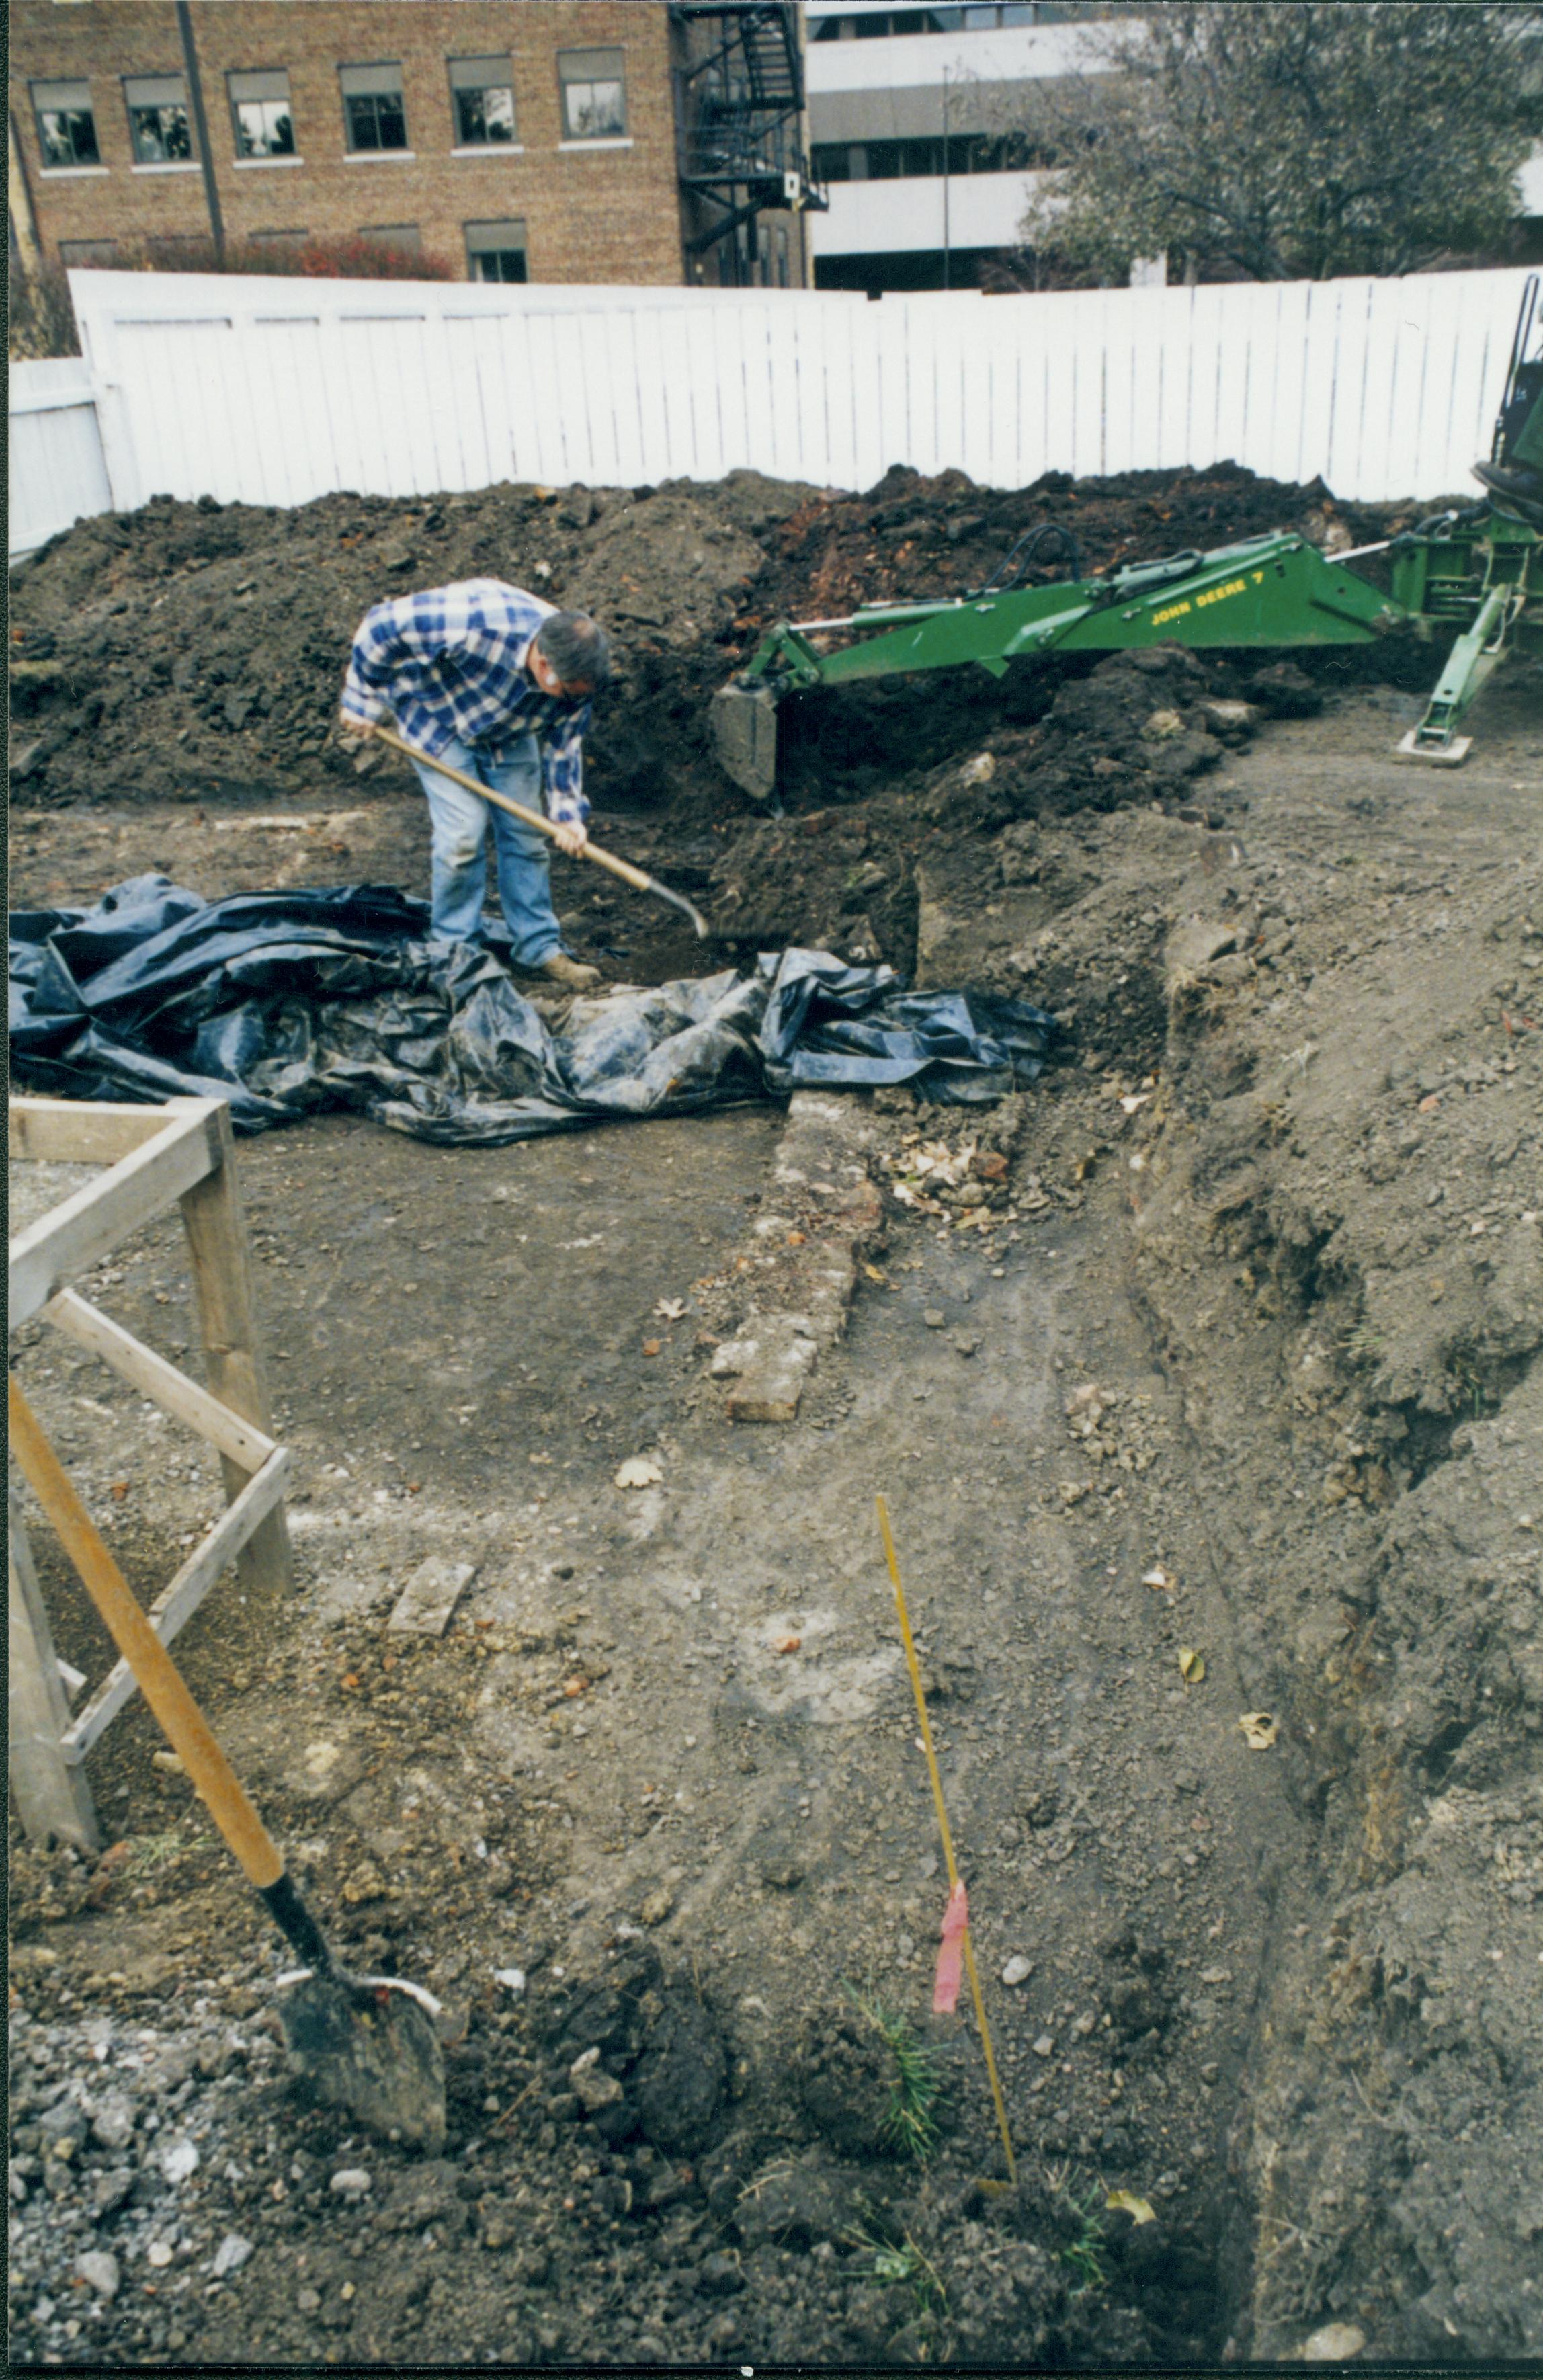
{"x":576,"y":146}
{"x":185,"y":166}
{"x":492,"y":148}
{"x":72,"y":173}
{"x":380,"y":157}
{"x":262,"y":164}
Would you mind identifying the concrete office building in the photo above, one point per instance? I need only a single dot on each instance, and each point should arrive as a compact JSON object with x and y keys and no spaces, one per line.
{"x":906,"y":114}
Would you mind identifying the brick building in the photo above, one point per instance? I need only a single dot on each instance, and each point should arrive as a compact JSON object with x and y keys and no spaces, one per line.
{"x":539,"y":140}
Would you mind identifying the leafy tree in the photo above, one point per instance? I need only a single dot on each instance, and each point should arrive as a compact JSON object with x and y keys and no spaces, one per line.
{"x":1288,"y":140}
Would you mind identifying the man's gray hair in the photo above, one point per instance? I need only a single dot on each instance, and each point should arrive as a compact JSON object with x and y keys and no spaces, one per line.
{"x":576,"y":647}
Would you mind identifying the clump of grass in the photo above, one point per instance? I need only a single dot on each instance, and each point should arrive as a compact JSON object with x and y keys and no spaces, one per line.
{"x":899,"y":2261}
{"x":1084,"y":2253}
{"x":152,"y":1851}
{"x":909,"y":2121}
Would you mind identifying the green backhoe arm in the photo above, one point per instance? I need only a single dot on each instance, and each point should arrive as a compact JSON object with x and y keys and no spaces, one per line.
{"x":1270,"y":590}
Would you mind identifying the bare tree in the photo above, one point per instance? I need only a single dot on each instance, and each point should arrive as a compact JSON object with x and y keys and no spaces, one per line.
{"x":1288,"y":140}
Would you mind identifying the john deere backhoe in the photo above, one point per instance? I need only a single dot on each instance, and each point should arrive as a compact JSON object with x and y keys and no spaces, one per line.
{"x":1475,"y":570}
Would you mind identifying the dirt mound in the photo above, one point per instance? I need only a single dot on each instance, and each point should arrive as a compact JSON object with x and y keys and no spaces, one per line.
{"x":911,"y":537}
{"x":195,"y":651}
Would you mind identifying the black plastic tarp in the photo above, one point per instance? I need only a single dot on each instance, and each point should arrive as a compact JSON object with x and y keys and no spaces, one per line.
{"x":286,"y":1003}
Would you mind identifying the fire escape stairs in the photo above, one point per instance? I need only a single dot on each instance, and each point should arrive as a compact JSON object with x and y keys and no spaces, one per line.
{"x":740,"y":134}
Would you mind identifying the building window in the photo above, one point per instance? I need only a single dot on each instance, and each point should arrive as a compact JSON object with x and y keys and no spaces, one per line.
{"x":83,"y":252}
{"x":895,"y":161}
{"x":260,"y":114}
{"x":875,"y":23}
{"x":495,"y":251}
{"x":66,"y":128}
{"x":594,"y":94}
{"x":399,"y":239}
{"x":374,"y":113}
{"x":482,"y":101}
{"x":157,"y":108}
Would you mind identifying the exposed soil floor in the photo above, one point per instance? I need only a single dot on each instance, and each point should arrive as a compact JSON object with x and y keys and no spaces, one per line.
{"x":1260,"y":1325}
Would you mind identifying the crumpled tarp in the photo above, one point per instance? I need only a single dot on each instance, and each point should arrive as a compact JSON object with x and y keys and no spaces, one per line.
{"x":288,"y":1002}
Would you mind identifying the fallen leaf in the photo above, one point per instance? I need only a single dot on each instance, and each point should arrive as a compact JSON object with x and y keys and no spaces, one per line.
{"x":119,"y":1489}
{"x":638,"y":1471}
{"x":1126,"y":2201}
{"x":1192,"y":1665}
{"x":1134,"y":1100}
{"x":1159,"y":1578}
{"x":1259,"y":1730}
{"x":787,"y":1643}
{"x":796,"y":1239}
{"x":1429,"y":1106}
{"x":874,"y":1274}
{"x":653,"y":1346}
{"x":670,"y":1308}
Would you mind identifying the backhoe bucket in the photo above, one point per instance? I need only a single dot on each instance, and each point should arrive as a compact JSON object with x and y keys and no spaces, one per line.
{"x":744,"y":730}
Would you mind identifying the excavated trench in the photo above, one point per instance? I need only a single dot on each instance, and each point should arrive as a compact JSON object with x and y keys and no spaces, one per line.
{"x":1249,"y":1301}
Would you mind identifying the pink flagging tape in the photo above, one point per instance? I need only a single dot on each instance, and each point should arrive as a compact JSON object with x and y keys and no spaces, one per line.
{"x":951,"y":1954}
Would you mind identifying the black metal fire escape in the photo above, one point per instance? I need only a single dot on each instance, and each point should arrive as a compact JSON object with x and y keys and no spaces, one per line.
{"x":740,"y":114}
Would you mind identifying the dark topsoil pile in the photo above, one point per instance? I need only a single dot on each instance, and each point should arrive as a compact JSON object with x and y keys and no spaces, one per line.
{"x":195,"y":651}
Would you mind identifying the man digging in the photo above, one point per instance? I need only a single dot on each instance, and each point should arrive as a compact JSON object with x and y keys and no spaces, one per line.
{"x":497,"y":683}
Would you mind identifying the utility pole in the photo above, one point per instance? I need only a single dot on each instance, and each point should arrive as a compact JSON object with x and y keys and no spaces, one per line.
{"x":200,"y":128}
{"x":945,"y":177}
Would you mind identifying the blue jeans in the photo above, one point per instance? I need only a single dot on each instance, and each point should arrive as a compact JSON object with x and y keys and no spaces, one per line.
{"x":460,"y":833}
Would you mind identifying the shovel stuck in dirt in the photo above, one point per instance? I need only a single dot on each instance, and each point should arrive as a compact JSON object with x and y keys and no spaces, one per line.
{"x":365,"y":2043}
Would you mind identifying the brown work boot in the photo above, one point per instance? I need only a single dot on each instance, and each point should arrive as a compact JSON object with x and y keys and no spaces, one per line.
{"x":569,"y":973}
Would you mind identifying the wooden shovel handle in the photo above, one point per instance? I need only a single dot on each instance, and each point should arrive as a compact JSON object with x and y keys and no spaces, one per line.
{"x":160,"y":1679}
{"x":622,"y":868}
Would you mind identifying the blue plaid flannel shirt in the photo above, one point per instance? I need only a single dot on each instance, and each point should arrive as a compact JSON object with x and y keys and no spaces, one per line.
{"x":449,"y":665}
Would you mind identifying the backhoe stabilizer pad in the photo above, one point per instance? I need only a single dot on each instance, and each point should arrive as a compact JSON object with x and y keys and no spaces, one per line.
{"x":745,"y":732}
{"x":1434,"y":756}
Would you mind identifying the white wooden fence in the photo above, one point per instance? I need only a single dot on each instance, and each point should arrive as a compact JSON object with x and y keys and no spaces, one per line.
{"x":275,"y":391}
{"x":57,"y":469}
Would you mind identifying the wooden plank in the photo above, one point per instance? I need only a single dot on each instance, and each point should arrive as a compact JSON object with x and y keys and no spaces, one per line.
{"x":78,"y":1131}
{"x":75,"y":1235}
{"x":51,"y":1796}
{"x":222,"y":1284}
{"x":253,"y":1509}
{"x":161,"y":1381}
{"x":425,"y":1604}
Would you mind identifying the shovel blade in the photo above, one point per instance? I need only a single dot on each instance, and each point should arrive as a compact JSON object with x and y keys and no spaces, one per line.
{"x":370,"y":2050}
{"x":745,"y":731}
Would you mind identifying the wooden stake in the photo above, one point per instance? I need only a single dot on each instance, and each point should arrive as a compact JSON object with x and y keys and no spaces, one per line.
{"x":222,"y":1282}
{"x":936,"y":1775}
{"x":52,"y":1795}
